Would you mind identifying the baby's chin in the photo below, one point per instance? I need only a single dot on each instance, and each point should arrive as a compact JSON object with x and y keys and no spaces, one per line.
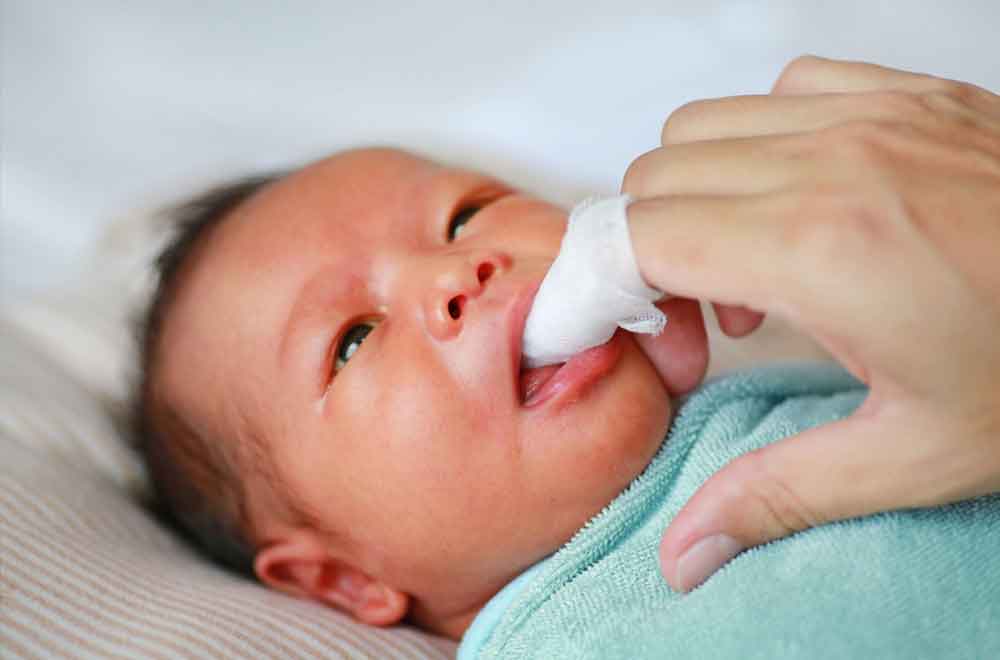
{"x":637,"y":410}
{"x":642,"y":410}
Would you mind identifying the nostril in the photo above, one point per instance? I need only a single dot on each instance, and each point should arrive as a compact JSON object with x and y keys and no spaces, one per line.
{"x":455,"y":306}
{"x":484,"y":272}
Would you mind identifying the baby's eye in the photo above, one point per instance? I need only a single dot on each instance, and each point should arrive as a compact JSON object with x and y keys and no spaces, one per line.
{"x":458,"y":222}
{"x":350,"y":343}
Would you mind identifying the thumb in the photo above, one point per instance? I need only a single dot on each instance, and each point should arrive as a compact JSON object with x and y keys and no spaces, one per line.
{"x":869,"y":462}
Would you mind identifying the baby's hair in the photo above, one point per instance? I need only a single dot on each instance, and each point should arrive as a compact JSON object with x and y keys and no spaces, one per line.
{"x":196,"y":481}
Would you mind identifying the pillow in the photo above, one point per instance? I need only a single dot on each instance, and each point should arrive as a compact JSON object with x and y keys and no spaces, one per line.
{"x":47,"y":409}
{"x":87,"y":572}
{"x":84,"y":569}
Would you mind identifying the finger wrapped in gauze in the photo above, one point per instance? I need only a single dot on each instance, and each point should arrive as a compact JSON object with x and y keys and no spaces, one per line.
{"x":593,"y":287}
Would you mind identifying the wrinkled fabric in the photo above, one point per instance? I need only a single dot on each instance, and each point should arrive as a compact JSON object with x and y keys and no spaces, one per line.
{"x":921,"y":583}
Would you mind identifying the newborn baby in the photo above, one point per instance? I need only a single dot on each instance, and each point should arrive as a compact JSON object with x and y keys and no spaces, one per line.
{"x":333,"y":396}
{"x":333,"y":400}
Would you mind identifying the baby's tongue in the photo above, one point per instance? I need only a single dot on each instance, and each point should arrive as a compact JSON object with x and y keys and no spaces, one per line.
{"x":532,"y":379}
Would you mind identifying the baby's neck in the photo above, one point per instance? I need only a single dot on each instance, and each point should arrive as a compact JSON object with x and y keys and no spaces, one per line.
{"x":450,"y":613}
{"x":452,"y":626}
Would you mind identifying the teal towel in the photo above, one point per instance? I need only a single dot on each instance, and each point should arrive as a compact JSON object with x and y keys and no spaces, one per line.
{"x":922,"y":583}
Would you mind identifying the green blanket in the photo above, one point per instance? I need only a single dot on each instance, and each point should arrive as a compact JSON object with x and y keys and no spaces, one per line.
{"x":921,"y":583}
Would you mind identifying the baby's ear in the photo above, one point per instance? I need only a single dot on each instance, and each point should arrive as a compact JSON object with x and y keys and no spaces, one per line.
{"x":300,"y":565}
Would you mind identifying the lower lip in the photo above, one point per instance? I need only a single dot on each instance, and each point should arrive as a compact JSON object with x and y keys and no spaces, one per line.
{"x":575,"y":376}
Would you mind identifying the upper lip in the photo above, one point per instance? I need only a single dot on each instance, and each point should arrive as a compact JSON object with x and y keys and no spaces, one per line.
{"x":517,"y":318}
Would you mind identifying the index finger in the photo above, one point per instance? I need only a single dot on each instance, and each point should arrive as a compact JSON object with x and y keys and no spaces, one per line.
{"x":722,"y":248}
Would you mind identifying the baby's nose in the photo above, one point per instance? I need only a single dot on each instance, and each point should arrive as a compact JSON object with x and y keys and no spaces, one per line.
{"x":463,"y":280}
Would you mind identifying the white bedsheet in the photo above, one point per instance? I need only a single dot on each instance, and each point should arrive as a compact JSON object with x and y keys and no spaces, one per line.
{"x":110,"y":106}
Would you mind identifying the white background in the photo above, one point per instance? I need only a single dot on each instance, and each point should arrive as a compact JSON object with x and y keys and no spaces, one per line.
{"x":109,"y":107}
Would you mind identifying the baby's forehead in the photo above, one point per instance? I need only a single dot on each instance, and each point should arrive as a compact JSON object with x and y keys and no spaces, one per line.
{"x":350,"y":173}
{"x":367,"y":195}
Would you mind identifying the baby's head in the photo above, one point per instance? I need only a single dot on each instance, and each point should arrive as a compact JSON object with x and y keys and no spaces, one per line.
{"x":331,"y":394}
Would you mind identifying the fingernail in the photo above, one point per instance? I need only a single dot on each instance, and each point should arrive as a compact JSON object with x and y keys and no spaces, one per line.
{"x":704,"y":558}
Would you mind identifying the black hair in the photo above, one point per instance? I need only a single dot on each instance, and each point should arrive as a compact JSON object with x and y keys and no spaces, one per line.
{"x":196,"y":485}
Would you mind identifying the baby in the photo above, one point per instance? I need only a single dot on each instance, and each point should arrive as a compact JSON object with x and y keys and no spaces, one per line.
{"x":332,"y":393}
{"x":333,"y":400}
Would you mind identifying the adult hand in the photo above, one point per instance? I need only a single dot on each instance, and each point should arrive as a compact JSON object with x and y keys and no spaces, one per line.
{"x":863,"y":205}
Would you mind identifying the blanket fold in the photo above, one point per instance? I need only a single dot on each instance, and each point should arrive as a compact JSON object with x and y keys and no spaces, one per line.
{"x":920,"y":583}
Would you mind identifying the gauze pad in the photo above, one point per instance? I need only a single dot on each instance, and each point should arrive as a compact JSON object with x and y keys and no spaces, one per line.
{"x":592,"y":288}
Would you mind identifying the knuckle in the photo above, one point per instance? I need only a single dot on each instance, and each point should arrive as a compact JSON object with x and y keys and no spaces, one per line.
{"x":795,"y":74}
{"x":962,"y":94}
{"x":781,"y":508}
{"x":950,"y":112}
{"x":634,"y":181}
{"x":899,"y":104}
{"x":806,"y":230}
{"x":677,"y":126}
{"x":965,"y":93}
{"x":938,"y":101}
{"x":826,"y":223}
{"x":861,"y":143}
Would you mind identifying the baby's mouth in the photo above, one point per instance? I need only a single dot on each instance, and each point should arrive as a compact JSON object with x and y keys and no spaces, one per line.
{"x":570,"y":379}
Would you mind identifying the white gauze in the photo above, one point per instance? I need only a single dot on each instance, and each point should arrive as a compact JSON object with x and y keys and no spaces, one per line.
{"x":592,"y":288}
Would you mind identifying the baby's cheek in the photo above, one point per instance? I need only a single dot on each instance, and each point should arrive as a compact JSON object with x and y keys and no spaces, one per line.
{"x":644,"y":419}
{"x":634,"y":417}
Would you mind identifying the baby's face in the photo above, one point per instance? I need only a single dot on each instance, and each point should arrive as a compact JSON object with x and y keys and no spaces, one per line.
{"x":338,"y":318}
